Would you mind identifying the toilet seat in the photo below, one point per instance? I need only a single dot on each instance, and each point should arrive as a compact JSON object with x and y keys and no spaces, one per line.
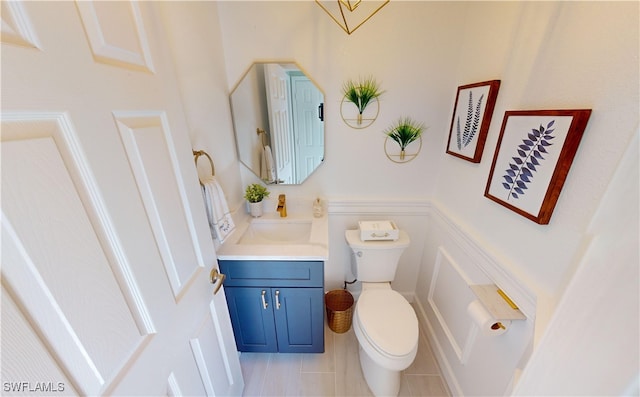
{"x":388,"y":323}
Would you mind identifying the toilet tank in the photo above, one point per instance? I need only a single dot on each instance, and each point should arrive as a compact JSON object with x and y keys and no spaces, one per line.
{"x":375,"y":261}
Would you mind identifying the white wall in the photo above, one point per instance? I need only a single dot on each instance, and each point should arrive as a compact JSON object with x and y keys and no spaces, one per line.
{"x":591,"y":346}
{"x":549,"y":55}
{"x":195,"y":41}
{"x":402,"y":47}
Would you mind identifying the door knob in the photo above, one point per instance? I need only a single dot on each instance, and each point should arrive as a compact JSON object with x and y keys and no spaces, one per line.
{"x":216,"y":279}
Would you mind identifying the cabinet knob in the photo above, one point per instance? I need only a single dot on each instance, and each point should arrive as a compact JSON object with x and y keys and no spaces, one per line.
{"x":264,"y":301}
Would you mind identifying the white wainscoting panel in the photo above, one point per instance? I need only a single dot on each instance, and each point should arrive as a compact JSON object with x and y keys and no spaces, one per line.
{"x":449,"y":308}
{"x":485,"y":263}
{"x":116,"y":33}
{"x":472,"y":364}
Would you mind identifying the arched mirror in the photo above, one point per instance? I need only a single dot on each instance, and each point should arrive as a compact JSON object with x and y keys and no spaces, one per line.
{"x":278,"y":117}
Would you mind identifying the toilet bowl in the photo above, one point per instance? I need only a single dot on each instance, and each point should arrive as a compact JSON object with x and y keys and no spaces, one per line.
{"x":386,"y":327}
{"x":384,"y":322}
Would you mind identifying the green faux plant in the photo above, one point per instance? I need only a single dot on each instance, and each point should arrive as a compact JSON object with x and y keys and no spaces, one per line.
{"x":255,"y":193}
{"x":361,"y":93}
{"x":404,"y":132}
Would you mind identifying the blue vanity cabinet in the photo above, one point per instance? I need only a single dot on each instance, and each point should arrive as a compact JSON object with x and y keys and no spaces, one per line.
{"x":276,"y":306}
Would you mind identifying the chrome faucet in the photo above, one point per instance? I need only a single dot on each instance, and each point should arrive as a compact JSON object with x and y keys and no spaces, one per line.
{"x":282,"y":205}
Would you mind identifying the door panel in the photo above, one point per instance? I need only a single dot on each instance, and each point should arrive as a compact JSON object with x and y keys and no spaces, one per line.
{"x":105,"y":249}
{"x":113,"y":42}
{"x":45,"y":222}
{"x":210,"y":356}
{"x":184,"y":379}
{"x":30,"y":362}
{"x":309,"y":129}
{"x":147,"y":140}
{"x":278,"y":103}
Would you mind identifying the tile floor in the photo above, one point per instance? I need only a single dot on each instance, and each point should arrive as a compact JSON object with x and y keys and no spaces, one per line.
{"x":336,"y":372}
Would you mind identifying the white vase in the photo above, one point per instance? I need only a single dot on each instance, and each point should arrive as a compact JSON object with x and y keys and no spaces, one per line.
{"x":255,"y":209}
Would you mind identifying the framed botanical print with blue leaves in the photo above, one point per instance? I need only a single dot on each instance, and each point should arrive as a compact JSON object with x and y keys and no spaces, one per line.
{"x":532,"y":159}
{"x":471,"y":118}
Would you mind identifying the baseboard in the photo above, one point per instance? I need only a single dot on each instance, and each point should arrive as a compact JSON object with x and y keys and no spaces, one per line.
{"x":438,"y":352}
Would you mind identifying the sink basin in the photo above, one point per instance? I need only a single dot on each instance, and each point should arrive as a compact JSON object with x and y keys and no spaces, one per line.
{"x":298,"y":237}
{"x":277,"y":232}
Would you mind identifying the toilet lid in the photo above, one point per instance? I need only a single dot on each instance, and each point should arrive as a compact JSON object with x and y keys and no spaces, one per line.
{"x":388,"y":321}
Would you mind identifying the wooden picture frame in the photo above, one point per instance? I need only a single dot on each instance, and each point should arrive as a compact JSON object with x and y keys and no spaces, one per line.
{"x":532,"y":159}
{"x":471,"y":119}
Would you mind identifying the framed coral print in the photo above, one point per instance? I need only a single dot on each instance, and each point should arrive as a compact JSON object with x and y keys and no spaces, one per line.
{"x":532,"y":159}
{"x":471,"y":118}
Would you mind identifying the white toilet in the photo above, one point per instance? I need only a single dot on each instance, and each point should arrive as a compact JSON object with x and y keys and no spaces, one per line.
{"x":384,"y":322}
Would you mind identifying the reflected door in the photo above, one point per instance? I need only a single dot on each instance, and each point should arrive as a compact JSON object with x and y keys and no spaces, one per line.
{"x":278,"y":103}
{"x":308,"y":126}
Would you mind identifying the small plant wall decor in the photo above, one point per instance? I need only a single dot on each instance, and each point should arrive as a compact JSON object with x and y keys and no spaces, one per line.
{"x":404,"y":132}
{"x":532,"y":159}
{"x":360,"y":106}
{"x":471,"y":118}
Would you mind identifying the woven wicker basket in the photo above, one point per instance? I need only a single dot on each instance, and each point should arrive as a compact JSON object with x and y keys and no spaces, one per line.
{"x":339,"y":305}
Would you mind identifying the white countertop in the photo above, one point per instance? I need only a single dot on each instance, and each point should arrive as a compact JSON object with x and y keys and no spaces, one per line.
{"x":316,"y":249}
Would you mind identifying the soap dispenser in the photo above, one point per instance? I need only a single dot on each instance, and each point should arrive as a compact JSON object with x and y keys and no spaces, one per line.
{"x":317,"y":208}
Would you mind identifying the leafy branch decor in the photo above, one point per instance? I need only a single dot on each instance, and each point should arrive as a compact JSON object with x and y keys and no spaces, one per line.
{"x":464,"y":137}
{"x":520,"y":171}
{"x":535,"y":151}
{"x":404,"y":132}
{"x":471,"y":121}
{"x":361,"y":93}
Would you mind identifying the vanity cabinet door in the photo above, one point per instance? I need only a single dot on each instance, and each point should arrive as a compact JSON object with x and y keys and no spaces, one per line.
{"x":276,"y":306}
{"x":252,"y":319}
{"x":299,"y":318}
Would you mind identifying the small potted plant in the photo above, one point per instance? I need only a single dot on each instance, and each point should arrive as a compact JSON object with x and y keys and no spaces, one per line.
{"x":404,"y":132}
{"x":254,"y":194}
{"x":361,"y":93}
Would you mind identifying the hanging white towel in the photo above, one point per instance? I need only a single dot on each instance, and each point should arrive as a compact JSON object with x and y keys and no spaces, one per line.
{"x":218,"y":214}
{"x":268,"y":171}
{"x":264,"y":172}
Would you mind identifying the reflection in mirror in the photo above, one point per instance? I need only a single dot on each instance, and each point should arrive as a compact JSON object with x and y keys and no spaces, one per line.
{"x":278,"y":118}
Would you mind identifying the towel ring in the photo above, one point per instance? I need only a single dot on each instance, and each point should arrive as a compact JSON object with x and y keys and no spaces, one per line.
{"x":197,"y":154}
{"x":262,"y":134}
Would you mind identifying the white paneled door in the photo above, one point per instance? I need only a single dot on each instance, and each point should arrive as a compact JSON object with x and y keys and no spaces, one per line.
{"x":106,"y":254}
{"x":278,"y":102}
{"x":308,"y":131}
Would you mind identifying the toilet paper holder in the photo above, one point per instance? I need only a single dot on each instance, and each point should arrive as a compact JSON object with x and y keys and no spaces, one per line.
{"x":497,"y":303}
{"x":491,"y":315}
